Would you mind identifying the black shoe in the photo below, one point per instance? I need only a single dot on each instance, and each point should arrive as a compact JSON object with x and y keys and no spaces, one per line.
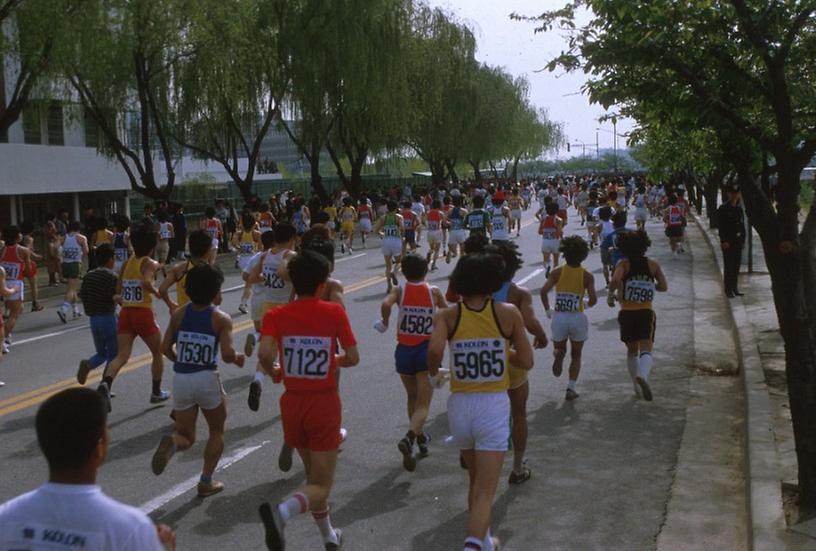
{"x":104,"y":391}
{"x":422,"y":444}
{"x":737,"y":293}
{"x":273,"y":527}
{"x":254,"y":399}
{"x":730,"y":295}
{"x":408,"y":460}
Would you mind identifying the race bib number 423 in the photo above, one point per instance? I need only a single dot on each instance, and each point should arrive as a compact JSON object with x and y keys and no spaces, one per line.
{"x":306,"y":357}
{"x":478,"y":360}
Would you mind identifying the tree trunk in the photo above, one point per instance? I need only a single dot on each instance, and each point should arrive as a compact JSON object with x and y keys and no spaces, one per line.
{"x":451,"y":166}
{"x":355,"y":184}
{"x":711,"y":190}
{"x":316,"y":178}
{"x":514,"y":173}
{"x":437,"y":172}
{"x":477,"y":172}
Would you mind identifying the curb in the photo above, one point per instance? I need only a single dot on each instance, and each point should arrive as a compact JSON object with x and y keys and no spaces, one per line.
{"x":766,"y":515}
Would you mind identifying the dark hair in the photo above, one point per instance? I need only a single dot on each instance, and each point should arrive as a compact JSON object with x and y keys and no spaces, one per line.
{"x":511,"y":256}
{"x":436,"y":204}
{"x":161,"y":216}
{"x":478,"y":201}
{"x":391,"y":205}
{"x":69,"y":425}
{"x":619,"y":219}
{"x":284,"y":232}
{"x":74,"y":225}
{"x":200,"y":243}
{"x":317,"y":243}
{"x":104,"y":252}
{"x":476,"y":243}
{"x":143,"y":239}
{"x":320,"y":217}
{"x":122,"y":223}
{"x":574,"y":249}
{"x":203,"y":283}
{"x":315,"y":232}
{"x":672,"y":199}
{"x":267,"y":239}
{"x":209,"y":212}
{"x":633,"y":244}
{"x":247,"y":222}
{"x":308,"y":271}
{"x":26,"y":227}
{"x":551,"y":208}
{"x":414,"y":267}
{"x":489,"y":269}
{"x":605,"y":213}
{"x":612,"y":195}
{"x":11,"y":234}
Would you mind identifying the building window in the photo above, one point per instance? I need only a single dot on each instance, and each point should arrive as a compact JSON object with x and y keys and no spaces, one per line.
{"x":32,"y":129}
{"x":3,"y":133}
{"x":56,"y":134}
{"x":91,"y":130}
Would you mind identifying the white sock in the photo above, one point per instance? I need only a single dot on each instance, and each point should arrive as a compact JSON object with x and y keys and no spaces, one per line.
{"x":259,"y":376}
{"x":632,"y":365}
{"x":473,"y":544}
{"x":257,"y":337}
{"x":295,"y":504}
{"x":65,"y":306}
{"x":487,"y":543}
{"x":644,"y":365}
{"x":323,"y":522}
{"x":571,"y":384}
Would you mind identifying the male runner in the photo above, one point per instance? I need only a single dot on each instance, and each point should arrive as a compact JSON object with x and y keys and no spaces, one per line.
{"x":410,"y":225}
{"x":499,"y":221}
{"x":200,"y":252}
{"x":212,"y":225}
{"x":569,"y":322}
{"x":634,"y":283}
{"x":550,"y":229}
{"x":136,"y":319}
{"x":303,"y":336}
{"x":417,"y":302}
{"x":515,"y":205}
{"x":365,"y":216}
{"x":121,"y":242}
{"x":477,"y":221}
{"x":391,"y":227}
{"x":194,"y":337}
{"x":5,"y":291}
{"x":436,"y":221}
{"x":674,"y":219}
{"x":592,"y":220}
{"x":16,"y":261}
{"x":456,"y":234}
{"x":348,"y":216}
{"x":166,"y":233}
{"x":480,"y":333}
{"x":74,"y":247}
{"x":27,"y":241}
{"x":246,"y":242}
{"x":639,"y":201}
{"x":98,"y":293}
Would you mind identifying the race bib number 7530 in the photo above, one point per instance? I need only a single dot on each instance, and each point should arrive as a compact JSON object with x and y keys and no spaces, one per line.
{"x":306,"y":357}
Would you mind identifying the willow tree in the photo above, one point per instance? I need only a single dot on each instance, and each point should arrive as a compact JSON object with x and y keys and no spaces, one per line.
{"x":441,"y":62}
{"x":742,"y":67}
{"x":232,"y":85}
{"x":532,"y":134}
{"x":369,"y":104}
{"x":123,"y":68}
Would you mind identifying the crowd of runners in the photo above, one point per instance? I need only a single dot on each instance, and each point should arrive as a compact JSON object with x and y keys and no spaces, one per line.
{"x":302,"y":336}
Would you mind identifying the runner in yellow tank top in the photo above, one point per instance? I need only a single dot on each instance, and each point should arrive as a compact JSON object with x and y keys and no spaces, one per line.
{"x":200,"y":248}
{"x":478,"y":407}
{"x":569,"y":322}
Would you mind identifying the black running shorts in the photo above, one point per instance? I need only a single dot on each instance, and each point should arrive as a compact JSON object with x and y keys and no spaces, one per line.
{"x":637,"y":325}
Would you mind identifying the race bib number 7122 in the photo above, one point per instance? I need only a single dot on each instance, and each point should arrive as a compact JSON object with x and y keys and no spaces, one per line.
{"x":306,"y":357}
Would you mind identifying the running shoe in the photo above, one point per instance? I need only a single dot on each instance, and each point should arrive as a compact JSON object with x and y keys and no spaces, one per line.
{"x":331,"y":546}
{"x":644,"y":388}
{"x":254,"y":399}
{"x":558,"y":364}
{"x":2,"y":383}
{"x":422,"y":443}
{"x":350,"y":251}
{"x":273,"y":527}
{"x":571,"y":395}
{"x":5,"y":348}
{"x":76,"y":315}
{"x":520,"y":478}
{"x":394,"y":279}
{"x":207,"y":490}
{"x":547,"y":273}
{"x":163,"y":454}
{"x":63,"y":318}
{"x":342,"y":248}
{"x":243,"y":308}
{"x":162,"y":396}
{"x":249,"y":345}
{"x":285,"y":458}
{"x":408,"y":459}
{"x":82,"y":373}
{"x":104,"y":390}
{"x":343,"y":435}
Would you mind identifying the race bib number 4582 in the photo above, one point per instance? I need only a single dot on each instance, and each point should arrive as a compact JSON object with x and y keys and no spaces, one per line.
{"x":478,"y":360}
{"x":306,"y":357}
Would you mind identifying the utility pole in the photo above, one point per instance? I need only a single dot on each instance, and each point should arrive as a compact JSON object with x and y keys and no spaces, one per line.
{"x":615,"y":140}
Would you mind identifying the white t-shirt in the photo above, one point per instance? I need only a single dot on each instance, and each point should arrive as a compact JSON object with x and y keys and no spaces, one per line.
{"x":257,"y":288}
{"x":74,"y":517}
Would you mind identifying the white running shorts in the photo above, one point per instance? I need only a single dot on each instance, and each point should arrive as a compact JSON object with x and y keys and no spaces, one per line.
{"x":571,"y":326}
{"x":641,"y":214}
{"x":456,"y":237}
{"x":479,"y":420}
{"x":202,"y":389}
{"x":365,"y":225}
{"x":391,"y":246}
{"x":434,"y":237}
{"x":550,"y":245}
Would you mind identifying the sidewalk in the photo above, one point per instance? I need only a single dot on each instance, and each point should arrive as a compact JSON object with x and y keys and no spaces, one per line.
{"x":771,"y":456}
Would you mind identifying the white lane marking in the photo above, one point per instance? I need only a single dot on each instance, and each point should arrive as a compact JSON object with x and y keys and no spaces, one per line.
{"x":349,"y":258}
{"x":192,"y":482}
{"x":49,"y":335}
{"x":230,"y":289}
{"x":529,"y":277}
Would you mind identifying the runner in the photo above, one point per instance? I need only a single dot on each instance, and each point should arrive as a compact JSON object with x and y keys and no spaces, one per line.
{"x":390,"y":227}
{"x":436,"y":221}
{"x":569,"y":322}
{"x":457,"y":235}
{"x":166,"y":233}
{"x":121,"y":242}
{"x":246,"y":242}
{"x":563,"y":203}
{"x":277,"y":292}
{"x":5,"y":291}
{"x":16,"y":261}
{"x":258,"y":291}
{"x":74,"y":247}
{"x":519,"y":390}
{"x":417,"y":302}
{"x":348,"y":216}
{"x":477,"y":221}
{"x":639,"y":201}
{"x":200,"y":252}
{"x":410,"y":225}
{"x":581,"y":203}
{"x":196,"y":334}
{"x":634,"y":283}
{"x":98,"y":293}
{"x":515,"y":204}
{"x":136,"y":319}
{"x":364,"y":215}
{"x":303,"y":335}
{"x":481,"y":333}
{"x":607,"y":229}
{"x":550,"y":229}
{"x":265,"y":219}
{"x":499,"y":221}
{"x":27,"y":241}
{"x":592,"y":221}
{"x":418,"y":208}
{"x":212,"y":226}
{"x":674,"y":219}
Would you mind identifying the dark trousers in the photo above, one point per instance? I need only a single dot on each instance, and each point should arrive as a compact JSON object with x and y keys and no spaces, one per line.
{"x":732,"y":258}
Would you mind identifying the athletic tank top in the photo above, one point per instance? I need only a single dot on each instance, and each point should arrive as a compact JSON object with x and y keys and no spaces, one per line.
{"x":246,"y":245}
{"x":347,"y":215}
{"x":675,"y":216}
{"x":416,"y":311}
{"x":196,"y":342}
{"x":297,"y":221}
{"x":478,"y":352}
{"x":133,"y":294}
{"x":548,"y":228}
{"x":477,"y":221}
{"x":391,"y":226}
{"x":120,"y":248}
{"x":408,"y":217}
{"x":278,"y":291}
{"x":640,"y":200}
{"x":363,"y":211}
{"x":638,"y":286}
{"x":569,"y":291}
{"x":265,"y":222}
{"x":181,"y":291}
{"x":455,"y":219}
{"x":434,"y":220}
{"x":212,"y":228}
{"x":164,"y":230}
{"x":12,"y":263}
{"x":501,"y":294}
{"x":514,"y":203}
{"x":71,"y":251}
{"x":499,"y":225}
{"x":102,"y":237}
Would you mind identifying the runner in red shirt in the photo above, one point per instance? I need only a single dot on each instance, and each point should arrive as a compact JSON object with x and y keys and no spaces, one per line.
{"x":303,"y":336}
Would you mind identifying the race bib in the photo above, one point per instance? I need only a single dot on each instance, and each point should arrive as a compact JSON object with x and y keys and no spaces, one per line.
{"x":272,"y":279}
{"x":416,"y":321}
{"x":164,"y":234}
{"x":196,"y":348}
{"x":12,"y":270}
{"x":71,"y":253}
{"x":433,"y":225}
{"x":476,"y":222}
{"x":549,"y":234}
{"x":247,"y":248}
{"x":498,"y":224}
{"x":478,"y":360}
{"x":120,"y":254}
{"x":132,"y":291}
{"x":307,"y":357}
{"x":25,"y":536}
{"x":567,"y":302}
{"x":639,"y":291}
{"x":391,"y":231}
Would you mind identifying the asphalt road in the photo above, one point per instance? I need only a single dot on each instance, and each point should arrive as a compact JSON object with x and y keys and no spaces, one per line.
{"x":602,"y":465}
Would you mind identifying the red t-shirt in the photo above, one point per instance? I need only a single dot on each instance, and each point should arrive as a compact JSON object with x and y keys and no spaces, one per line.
{"x":307,"y":331}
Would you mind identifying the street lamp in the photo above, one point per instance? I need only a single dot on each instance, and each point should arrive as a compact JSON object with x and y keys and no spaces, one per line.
{"x":615,"y":136}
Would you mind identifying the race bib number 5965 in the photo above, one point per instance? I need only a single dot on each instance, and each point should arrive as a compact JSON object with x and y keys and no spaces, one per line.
{"x":478,"y":360}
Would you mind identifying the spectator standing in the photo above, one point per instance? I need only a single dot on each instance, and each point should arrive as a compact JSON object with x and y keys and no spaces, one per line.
{"x":180,"y":230}
{"x":731,"y":222}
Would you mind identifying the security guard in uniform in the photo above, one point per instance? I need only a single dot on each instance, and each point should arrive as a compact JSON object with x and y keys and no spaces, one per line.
{"x":731,"y":223}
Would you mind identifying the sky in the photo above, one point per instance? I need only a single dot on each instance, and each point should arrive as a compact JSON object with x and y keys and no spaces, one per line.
{"x":514,"y":46}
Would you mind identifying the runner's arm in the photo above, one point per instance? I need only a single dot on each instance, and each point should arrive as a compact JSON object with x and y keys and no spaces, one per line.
{"x":169,"y":340}
{"x":521,"y":353}
{"x":436,"y":346}
{"x":164,"y":289}
{"x":439,"y":298}
{"x":267,"y":353}
{"x":531,"y":323}
{"x":615,"y":282}
{"x":662,"y":283}
{"x":548,"y":285}
{"x":149,"y":276}
{"x":4,"y":291}
{"x":224,"y":328}
{"x":589,"y":285}
{"x":388,"y":302}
